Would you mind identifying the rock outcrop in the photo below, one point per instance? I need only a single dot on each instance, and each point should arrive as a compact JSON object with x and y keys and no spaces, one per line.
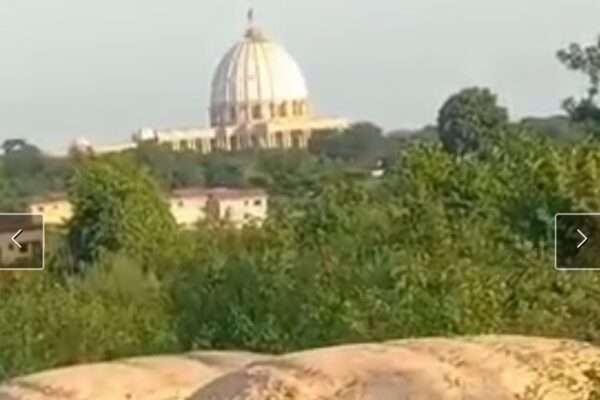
{"x":148,"y":378}
{"x":478,"y":368}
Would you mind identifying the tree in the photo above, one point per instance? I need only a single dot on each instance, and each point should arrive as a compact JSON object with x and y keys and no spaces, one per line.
{"x":10,"y":200}
{"x":224,"y":170}
{"x":468,"y":118}
{"x":362,"y":142}
{"x":117,"y":207}
{"x":10,"y":145}
{"x":173,"y":169}
{"x":585,"y":60}
{"x":21,"y":158}
{"x":29,"y":171}
{"x":288,"y":173}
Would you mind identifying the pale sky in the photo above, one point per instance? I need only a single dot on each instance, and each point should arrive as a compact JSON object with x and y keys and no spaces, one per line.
{"x":101,"y":69}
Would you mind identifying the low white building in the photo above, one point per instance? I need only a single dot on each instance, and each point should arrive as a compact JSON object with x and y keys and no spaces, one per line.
{"x":239,"y":207}
{"x":55,"y":207}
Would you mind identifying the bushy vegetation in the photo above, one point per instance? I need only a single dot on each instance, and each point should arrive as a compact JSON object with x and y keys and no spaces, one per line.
{"x":468,"y":119}
{"x":445,"y":243}
{"x":117,"y":206}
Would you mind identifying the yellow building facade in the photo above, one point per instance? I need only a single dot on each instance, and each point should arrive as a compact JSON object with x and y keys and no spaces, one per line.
{"x":238,"y":207}
{"x":56,"y":208}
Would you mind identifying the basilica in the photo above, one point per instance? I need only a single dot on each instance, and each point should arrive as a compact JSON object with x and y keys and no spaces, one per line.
{"x":259,"y":99}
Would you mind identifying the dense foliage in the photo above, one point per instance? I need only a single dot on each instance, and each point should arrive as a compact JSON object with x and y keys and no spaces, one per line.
{"x":117,"y":207}
{"x":442,"y":245}
{"x":585,"y":60}
{"x":468,"y":118}
{"x":26,"y":172}
{"x":445,"y":243}
{"x":362,"y":144}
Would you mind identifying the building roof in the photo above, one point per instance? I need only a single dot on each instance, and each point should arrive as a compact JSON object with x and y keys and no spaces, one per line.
{"x":49,"y":197}
{"x":190,"y":192}
{"x":219,"y":193}
{"x":173,"y":134}
{"x":257,"y":70}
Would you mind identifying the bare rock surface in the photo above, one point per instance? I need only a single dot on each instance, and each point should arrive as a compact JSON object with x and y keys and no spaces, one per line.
{"x":483,"y":368}
{"x":148,"y":378}
{"x":477,"y":368}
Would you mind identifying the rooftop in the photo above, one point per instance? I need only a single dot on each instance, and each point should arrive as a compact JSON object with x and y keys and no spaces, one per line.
{"x":48,"y":197}
{"x":220,"y":193}
{"x":190,"y":192}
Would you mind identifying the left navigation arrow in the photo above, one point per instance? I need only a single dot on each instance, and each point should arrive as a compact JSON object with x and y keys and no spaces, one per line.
{"x":14,"y":238}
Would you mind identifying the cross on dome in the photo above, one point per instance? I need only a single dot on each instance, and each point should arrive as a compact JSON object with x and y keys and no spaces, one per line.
{"x":250,"y":17}
{"x":253,"y":33}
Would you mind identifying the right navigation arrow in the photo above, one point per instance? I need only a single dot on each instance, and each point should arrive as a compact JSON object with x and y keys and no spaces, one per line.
{"x":584,"y":239}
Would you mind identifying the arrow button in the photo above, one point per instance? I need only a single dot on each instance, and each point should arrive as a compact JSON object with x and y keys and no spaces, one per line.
{"x":577,"y":241}
{"x":21,"y":242}
{"x":584,"y":239}
{"x":14,"y":238}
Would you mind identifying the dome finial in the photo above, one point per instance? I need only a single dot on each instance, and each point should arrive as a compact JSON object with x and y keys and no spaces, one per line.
{"x":250,"y":17}
{"x":252,"y":32}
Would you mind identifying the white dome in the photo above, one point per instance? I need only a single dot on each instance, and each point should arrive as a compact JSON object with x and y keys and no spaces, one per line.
{"x":144,"y":134}
{"x":81,"y":144}
{"x":256,"y":72}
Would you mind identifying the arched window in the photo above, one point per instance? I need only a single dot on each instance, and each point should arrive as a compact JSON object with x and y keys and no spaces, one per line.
{"x":232,"y":114}
{"x":234,"y":143}
{"x":257,"y":112}
{"x":297,"y":139}
{"x":200,"y":145}
{"x":279,"y":139}
{"x":301,"y":108}
{"x":214,"y":117}
{"x":283,"y":109}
